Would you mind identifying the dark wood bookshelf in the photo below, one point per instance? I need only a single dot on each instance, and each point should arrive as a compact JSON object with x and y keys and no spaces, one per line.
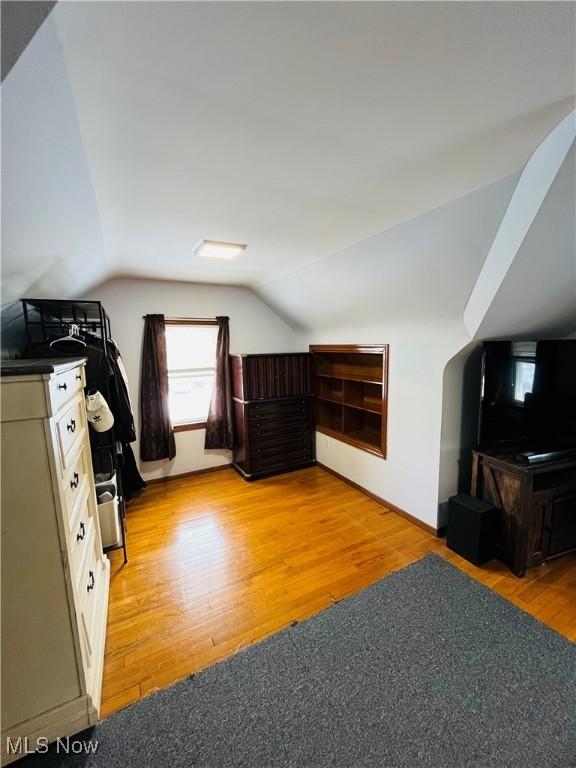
{"x":350,"y":378}
{"x":350,"y":405}
{"x":350,"y":385}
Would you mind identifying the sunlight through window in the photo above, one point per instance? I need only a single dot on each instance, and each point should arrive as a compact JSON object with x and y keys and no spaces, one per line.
{"x":191,"y":356}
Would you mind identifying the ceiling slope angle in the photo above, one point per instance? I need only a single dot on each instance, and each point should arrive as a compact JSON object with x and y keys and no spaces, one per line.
{"x":541,"y":210}
{"x":20,"y":21}
{"x":302,"y":129}
{"x":537,"y":295}
{"x":423,"y":269}
{"x":52,"y":242}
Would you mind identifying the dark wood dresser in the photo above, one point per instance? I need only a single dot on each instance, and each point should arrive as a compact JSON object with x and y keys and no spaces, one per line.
{"x":273,"y":414}
{"x":537,"y":505}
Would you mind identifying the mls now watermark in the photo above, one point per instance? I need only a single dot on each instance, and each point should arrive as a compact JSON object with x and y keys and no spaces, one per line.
{"x":23,"y":745}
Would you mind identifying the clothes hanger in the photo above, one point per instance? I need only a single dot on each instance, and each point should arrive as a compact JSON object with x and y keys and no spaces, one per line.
{"x":73,"y":333}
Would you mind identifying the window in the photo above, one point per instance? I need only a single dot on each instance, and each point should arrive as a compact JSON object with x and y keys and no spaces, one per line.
{"x":523,"y":379}
{"x":523,"y":369}
{"x":191,"y":357}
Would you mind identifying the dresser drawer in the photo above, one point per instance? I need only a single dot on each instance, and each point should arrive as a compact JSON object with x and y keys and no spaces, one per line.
{"x":294,"y":438}
{"x":285,"y":429}
{"x":89,"y":592}
{"x":70,"y":431}
{"x":282,"y":459}
{"x":80,"y":544}
{"x":287,"y":426}
{"x":65,"y":385}
{"x":279,"y":409}
{"x":75,"y":483}
{"x":301,"y":413}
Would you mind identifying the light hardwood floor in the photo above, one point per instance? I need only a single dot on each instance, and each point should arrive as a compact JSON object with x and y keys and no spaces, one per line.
{"x":216,"y":563}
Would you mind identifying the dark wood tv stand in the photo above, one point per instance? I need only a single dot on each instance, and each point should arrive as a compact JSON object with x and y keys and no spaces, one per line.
{"x":537,"y":503}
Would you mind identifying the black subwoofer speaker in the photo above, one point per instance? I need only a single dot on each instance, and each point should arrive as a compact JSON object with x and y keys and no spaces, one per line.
{"x":472,"y":528}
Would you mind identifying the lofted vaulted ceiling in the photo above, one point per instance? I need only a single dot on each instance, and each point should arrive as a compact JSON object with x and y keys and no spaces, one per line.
{"x":300,"y":128}
{"x":365,"y":152}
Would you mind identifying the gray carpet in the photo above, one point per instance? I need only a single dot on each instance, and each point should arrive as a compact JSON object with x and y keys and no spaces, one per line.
{"x":426,"y":668}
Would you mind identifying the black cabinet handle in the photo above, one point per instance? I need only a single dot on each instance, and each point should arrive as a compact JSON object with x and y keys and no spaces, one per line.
{"x":75,"y":481}
{"x":72,"y":426}
{"x":83,"y":531}
{"x":90,"y":585}
{"x":78,"y":377}
{"x":62,"y":386}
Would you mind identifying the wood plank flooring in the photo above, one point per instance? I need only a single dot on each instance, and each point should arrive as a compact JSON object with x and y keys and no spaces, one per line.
{"x":216,"y":563}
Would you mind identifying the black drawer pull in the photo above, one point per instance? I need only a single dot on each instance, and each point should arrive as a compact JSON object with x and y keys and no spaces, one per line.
{"x":91,"y":582}
{"x":78,"y":377}
{"x":72,"y":426}
{"x":83,"y":530}
{"x":62,"y":386}
{"x":75,"y":481}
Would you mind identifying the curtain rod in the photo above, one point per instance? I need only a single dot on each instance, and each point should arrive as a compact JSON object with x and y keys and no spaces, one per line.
{"x":184,"y":320}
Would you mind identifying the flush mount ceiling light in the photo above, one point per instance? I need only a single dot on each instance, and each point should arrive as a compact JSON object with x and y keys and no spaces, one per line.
{"x":213,"y":249}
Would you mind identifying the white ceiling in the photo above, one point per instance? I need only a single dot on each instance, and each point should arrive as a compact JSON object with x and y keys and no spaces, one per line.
{"x":421,"y":271}
{"x":301,"y":128}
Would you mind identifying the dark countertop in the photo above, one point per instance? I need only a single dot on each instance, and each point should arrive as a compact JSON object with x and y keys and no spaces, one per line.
{"x":31,"y":367}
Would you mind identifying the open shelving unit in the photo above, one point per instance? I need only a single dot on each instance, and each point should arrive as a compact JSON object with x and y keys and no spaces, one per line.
{"x":350,"y":385}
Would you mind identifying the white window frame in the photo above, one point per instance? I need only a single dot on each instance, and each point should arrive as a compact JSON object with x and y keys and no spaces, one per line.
{"x":187,"y":372}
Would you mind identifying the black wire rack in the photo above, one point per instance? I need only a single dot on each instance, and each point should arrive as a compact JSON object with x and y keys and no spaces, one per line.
{"x":45,"y":320}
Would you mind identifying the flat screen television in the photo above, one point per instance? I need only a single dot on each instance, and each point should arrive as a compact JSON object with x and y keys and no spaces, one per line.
{"x":528,"y":396}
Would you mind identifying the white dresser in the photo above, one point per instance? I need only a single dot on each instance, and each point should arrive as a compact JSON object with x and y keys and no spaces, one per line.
{"x":55,"y":578}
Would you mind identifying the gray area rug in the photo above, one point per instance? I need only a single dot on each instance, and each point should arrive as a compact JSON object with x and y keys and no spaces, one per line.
{"x":426,"y":667}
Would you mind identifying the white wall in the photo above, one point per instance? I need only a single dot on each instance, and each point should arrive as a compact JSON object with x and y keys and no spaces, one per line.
{"x":253,"y":328}
{"x":409,"y":476}
{"x":406,"y":287}
{"x":51,"y":238}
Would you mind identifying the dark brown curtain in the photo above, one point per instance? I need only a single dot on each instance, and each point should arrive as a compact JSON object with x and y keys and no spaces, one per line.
{"x":156,"y":433}
{"x":219,"y":431}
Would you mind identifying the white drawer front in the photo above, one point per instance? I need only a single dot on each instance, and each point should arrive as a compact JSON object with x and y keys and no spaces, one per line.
{"x":70,"y":431}
{"x":75,"y":484}
{"x":65,"y":385}
{"x":90,"y":593}
{"x":81,"y":543}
